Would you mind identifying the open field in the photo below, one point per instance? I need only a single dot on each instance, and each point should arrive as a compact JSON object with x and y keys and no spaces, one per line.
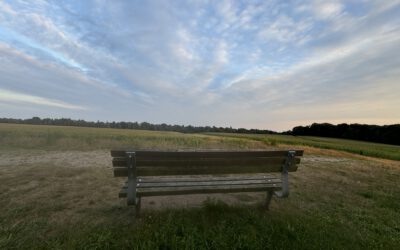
{"x":17,"y":137}
{"x":57,"y":191}
{"x":384,"y":151}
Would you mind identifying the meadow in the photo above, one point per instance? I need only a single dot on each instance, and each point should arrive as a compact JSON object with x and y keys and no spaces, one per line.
{"x":379,"y":150}
{"x":57,"y":192}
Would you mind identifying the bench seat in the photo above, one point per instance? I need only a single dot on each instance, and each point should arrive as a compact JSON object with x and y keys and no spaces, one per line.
{"x":202,"y":185}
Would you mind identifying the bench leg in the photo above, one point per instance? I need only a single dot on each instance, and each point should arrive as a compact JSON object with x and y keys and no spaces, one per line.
{"x":268,"y":200}
{"x":137,"y":207}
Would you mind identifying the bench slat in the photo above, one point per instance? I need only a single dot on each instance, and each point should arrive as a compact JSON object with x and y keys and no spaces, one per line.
{"x":212,"y":162}
{"x":141,"y":192}
{"x":144,"y":179}
{"x":198,"y":170}
{"x":202,"y":154}
{"x":205,"y":183}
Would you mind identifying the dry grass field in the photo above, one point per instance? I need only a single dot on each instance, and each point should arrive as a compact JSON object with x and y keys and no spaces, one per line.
{"x":57,"y":192}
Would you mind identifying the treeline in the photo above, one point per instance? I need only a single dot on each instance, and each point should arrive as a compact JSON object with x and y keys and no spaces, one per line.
{"x":389,"y":134}
{"x":132,"y":125}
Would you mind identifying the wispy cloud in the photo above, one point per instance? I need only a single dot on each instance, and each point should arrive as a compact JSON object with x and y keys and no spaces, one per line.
{"x":19,"y":98}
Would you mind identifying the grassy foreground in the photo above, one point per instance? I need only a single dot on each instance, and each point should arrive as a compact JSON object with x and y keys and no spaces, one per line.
{"x":57,"y":192}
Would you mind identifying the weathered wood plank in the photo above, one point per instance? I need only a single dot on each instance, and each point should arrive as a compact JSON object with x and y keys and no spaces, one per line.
{"x":212,"y":162}
{"x":202,"y":154}
{"x":200,"y":170}
{"x":145,"y":179}
{"x":205,"y":183}
{"x":141,"y":192}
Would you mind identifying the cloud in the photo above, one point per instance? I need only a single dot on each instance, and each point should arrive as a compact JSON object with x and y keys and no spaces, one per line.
{"x":19,"y":98}
{"x":327,"y":9}
{"x":284,"y":29}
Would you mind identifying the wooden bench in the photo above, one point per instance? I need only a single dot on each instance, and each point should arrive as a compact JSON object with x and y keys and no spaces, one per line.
{"x":158,"y":173}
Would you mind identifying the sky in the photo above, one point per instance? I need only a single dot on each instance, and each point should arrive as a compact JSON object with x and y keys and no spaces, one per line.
{"x":252,"y":64}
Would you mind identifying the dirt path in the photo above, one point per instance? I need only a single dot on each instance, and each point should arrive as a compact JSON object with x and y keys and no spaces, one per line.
{"x":100,"y":158}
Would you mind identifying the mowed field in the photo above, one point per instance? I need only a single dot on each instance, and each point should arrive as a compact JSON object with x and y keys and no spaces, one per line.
{"x":57,"y":191}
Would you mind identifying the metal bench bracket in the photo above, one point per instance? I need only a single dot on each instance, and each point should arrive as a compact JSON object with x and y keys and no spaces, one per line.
{"x":285,"y":176}
{"x":131,"y":190}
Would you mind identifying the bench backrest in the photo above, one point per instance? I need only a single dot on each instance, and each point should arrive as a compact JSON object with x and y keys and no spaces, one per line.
{"x":158,"y":163}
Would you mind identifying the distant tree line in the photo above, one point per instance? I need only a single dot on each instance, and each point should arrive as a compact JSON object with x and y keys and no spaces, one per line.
{"x":389,"y":134}
{"x":132,"y":125}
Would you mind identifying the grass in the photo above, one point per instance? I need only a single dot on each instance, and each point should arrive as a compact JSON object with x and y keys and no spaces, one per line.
{"x":51,"y":202}
{"x":17,"y":137}
{"x":379,"y":150}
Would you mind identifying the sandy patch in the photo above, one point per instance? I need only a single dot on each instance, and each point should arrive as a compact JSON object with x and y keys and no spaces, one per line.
{"x":322,"y":159}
